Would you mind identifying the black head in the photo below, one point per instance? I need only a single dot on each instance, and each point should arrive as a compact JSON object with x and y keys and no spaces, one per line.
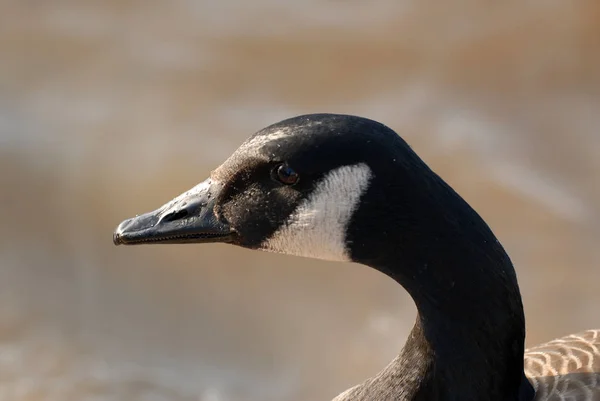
{"x":323,"y":185}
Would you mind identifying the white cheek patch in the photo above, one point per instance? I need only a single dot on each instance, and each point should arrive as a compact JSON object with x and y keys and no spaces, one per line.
{"x":317,"y":228}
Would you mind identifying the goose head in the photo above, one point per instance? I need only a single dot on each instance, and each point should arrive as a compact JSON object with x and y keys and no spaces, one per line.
{"x":308,"y":186}
{"x":341,"y":188}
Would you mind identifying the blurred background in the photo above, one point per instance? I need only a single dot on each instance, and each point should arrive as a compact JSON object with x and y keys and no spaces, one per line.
{"x":110,"y":108}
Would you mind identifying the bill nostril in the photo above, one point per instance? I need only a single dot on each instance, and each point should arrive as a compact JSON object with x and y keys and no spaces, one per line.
{"x":173,"y":216}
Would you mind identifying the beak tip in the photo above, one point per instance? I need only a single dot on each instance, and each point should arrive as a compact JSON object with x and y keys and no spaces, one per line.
{"x":118,"y":233}
{"x":117,"y":237}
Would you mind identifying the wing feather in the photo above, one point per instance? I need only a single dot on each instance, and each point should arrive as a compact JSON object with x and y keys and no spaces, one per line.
{"x":566,"y":369}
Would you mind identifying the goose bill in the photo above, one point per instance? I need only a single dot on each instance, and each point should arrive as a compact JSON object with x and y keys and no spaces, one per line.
{"x":189,"y":218}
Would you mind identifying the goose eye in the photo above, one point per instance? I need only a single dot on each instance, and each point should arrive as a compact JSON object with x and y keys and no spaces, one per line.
{"x":286,"y":175}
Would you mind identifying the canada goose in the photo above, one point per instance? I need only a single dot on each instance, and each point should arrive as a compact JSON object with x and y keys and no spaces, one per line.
{"x":345,"y":188}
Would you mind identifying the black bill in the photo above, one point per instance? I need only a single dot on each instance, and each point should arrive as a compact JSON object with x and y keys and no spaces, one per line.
{"x":189,"y":218}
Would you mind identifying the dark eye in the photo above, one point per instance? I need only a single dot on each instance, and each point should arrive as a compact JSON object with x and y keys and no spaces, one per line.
{"x":285,"y":174}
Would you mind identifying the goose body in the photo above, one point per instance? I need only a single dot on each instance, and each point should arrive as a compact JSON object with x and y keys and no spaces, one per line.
{"x":345,"y":188}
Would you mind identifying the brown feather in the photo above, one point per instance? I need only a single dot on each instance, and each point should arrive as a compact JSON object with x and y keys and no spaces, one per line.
{"x":566,"y":369}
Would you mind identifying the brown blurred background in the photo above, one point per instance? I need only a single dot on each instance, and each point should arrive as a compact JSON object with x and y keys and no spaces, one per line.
{"x":110,"y":108}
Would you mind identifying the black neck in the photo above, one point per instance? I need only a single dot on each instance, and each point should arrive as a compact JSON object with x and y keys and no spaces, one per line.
{"x":468,"y":341}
